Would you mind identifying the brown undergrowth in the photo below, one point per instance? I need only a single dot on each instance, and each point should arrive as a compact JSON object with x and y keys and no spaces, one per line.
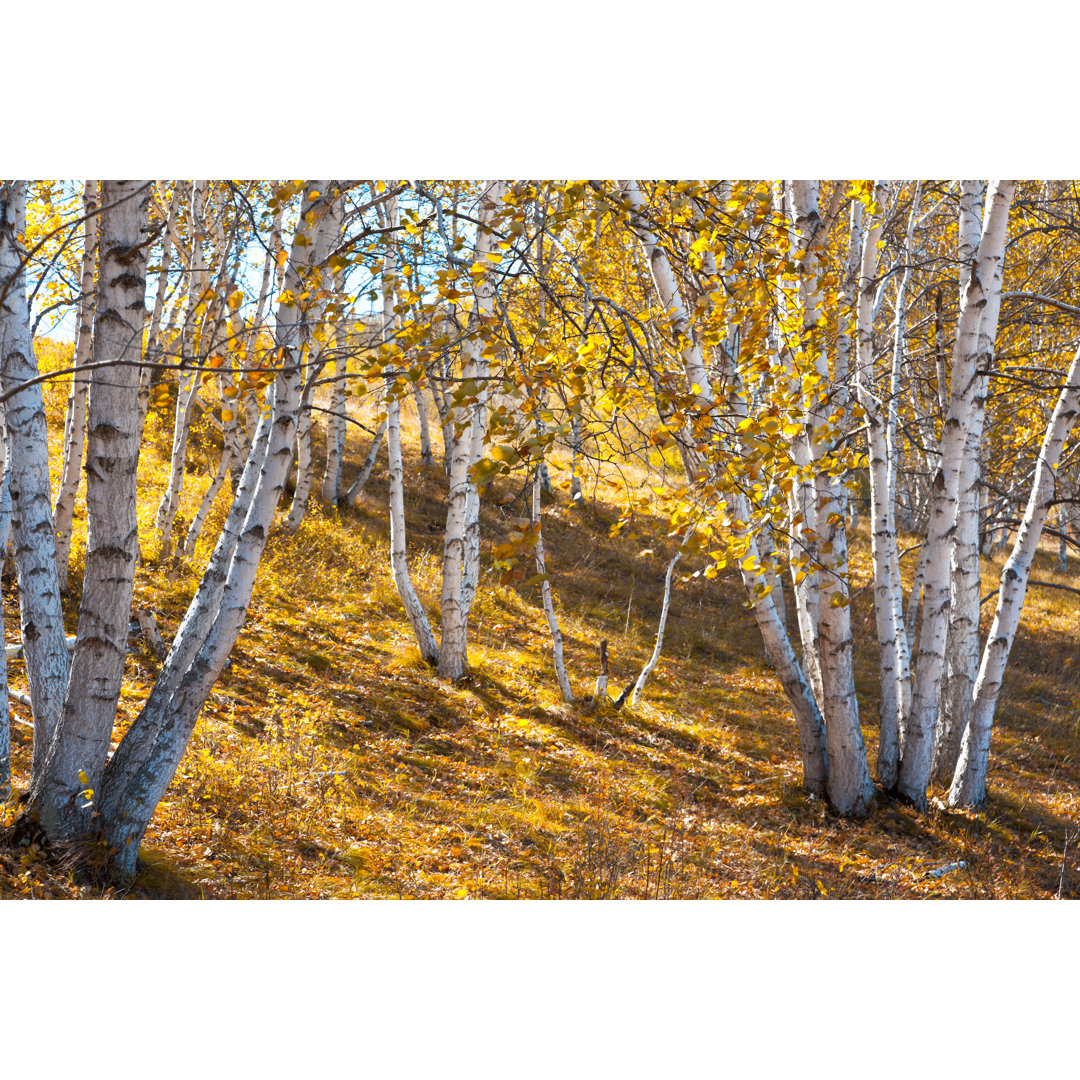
{"x":331,"y":762}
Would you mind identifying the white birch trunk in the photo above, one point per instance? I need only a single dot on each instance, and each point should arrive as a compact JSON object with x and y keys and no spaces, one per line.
{"x":808,"y":719}
{"x":795,"y":200}
{"x":915,"y":599}
{"x":965,"y":581}
{"x":336,"y":421}
{"x":368,"y":467}
{"x":969,"y":781}
{"x":667,"y":288}
{"x":985,"y":281}
{"x":767,"y":547}
{"x":42,"y":618}
{"x":188,"y":381}
{"x":549,"y":604}
{"x":226,"y":334}
{"x":439,"y":389}
{"x":81,"y":741}
{"x":304,"y":463}
{"x":144,"y":763}
{"x":452,"y":647}
{"x":850,"y":788}
{"x":461,"y":544}
{"x":600,"y":694}
{"x":154,"y":352}
{"x":893,"y":652}
{"x":233,"y":449}
{"x":654,"y":659}
{"x":187,"y":545}
{"x":425,"y":428}
{"x":249,"y":399}
{"x":446,"y":427}
{"x":75,"y":426}
{"x":5,"y":526}
{"x":479,"y":366}
{"x":575,"y":457}
{"x":414,"y":609}
{"x":330,"y":491}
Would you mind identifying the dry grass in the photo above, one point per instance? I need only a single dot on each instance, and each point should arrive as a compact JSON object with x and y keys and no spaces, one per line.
{"x":330,"y":762}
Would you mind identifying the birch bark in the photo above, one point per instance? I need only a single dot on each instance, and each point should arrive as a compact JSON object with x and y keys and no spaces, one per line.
{"x":5,"y":527}
{"x":575,"y":456}
{"x":808,"y":718}
{"x":75,"y":425}
{"x":336,"y":420}
{"x":654,"y":659}
{"x":965,"y":581}
{"x":144,"y":763}
{"x":188,"y":380}
{"x":414,"y":609}
{"x":893,"y":653}
{"x":368,"y":467}
{"x":186,"y":546}
{"x":77,"y":752}
{"x":985,"y":280}
{"x":315,"y":362}
{"x":969,"y":780}
{"x":42,"y":619}
{"x":798,"y":201}
{"x":304,"y":460}
{"x":849,"y":786}
{"x":461,"y":543}
{"x":155,"y":353}
{"x":478,"y":367}
{"x":549,"y":604}
{"x":426,"y":457}
{"x":249,"y":399}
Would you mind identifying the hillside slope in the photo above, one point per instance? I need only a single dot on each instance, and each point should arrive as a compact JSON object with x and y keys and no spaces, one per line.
{"x":330,"y":762}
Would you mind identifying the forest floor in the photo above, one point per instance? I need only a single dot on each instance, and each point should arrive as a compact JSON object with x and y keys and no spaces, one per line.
{"x":331,"y":762}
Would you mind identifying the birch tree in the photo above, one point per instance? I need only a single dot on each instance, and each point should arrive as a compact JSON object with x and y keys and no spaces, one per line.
{"x":5,"y":528}
{"x":414,"y":609}
{"x":808,"y":717}
{"x":41,"y":616}
{"x":985,"y":281}
{"x":77,"y":751}
{"x":189,"y":378}
{"x":75,"y":788}
{"x":969,"y":780}
{"x":850,"y":788}
{"x":75,"y":425}
{"x":336,"y":418}
{"x":879,"y":409}
{"x":546,"y":597}
{"x":962,"y":638}
{"x":144,"y":763}
{"x":654,"y":659}
{"x":461,"y":544}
